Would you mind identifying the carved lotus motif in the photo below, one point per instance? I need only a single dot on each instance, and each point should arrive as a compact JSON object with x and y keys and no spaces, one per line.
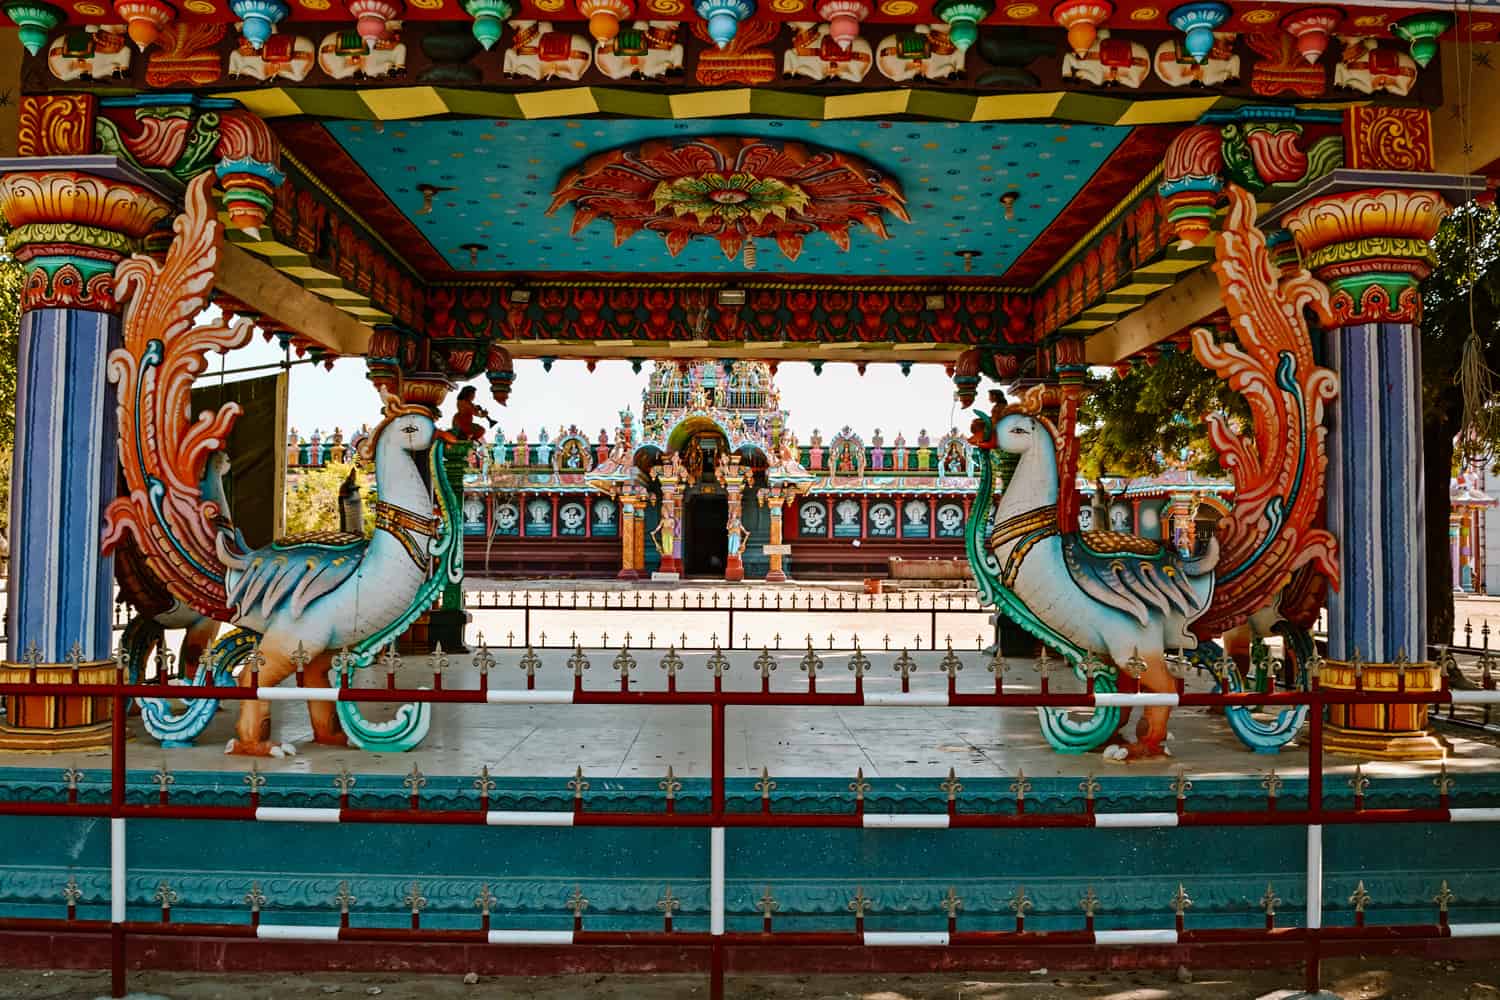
{"x":730,"y":189}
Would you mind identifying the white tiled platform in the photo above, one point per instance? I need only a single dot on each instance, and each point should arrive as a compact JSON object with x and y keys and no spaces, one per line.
{"x":608,"y":741}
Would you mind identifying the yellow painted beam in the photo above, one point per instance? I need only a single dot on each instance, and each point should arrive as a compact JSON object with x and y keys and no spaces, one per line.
{"x":10,"y":85}
{"x":1472,"y":88}
{"x":1186,"y":302}
{"x":267,"y":291}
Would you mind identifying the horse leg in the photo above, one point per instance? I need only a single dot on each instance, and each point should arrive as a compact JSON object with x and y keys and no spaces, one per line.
{"x":198,"y":638}
{"x":1127,"y":684}
{"x":1237,"y":643}
{"x":1151,"y":731}
{"x":325,"y":718}
{"x":253,"y":732}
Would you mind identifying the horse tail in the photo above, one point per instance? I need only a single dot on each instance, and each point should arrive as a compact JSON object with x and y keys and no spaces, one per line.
{"x":1279,"y":463}
{"x":173,"y":506}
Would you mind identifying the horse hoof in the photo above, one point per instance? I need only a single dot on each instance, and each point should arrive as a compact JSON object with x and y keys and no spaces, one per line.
{"x":1115,"y":753}
{"x":251,"y":748}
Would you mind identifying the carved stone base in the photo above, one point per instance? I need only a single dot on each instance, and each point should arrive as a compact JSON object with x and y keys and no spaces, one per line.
{"x":54,"y":740}
{"x":1415,"y":745}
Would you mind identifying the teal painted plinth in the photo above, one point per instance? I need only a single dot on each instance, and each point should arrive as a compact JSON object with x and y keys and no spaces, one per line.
{"x":812,"y":873}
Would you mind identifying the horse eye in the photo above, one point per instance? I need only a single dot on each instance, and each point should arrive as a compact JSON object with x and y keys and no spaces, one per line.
{"x":409,"y":429}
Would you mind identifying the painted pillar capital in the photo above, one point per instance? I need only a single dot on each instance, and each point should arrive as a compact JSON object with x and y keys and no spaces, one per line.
{"x":1371,"y":247}
{"x":70,"y":226}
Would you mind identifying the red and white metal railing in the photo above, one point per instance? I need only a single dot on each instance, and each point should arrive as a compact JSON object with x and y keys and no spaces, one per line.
{"x":1312,"y":937}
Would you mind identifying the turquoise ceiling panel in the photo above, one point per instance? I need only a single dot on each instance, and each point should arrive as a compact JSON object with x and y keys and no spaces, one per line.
{"x":498,"y":179}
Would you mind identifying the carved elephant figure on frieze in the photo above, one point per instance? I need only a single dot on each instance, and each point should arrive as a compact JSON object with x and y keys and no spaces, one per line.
{"x":289,"y":57}
{"x":1367,"y":66}
{"x":927,"y":51}
{"x":815,"y":55}
{"x":1178,"y":69}
{"x":343,"y":54}
{"x":541,"y":53}
{"x":1109,"y":62}
{"x":649,"y":50}
{"x":97,"y":51}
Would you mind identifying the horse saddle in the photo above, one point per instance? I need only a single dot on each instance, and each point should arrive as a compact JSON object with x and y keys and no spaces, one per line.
{"x":323,"y":539}
{"x":1116,"y":53}
{"x":1385,"y":62}
{"x":555,"y":46}
{"x":1114,"y":543}
{"x":280,"y":48}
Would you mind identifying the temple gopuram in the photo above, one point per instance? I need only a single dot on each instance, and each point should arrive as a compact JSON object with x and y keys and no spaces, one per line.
{"x":1010,"y":192}
{"x":550,"y":503}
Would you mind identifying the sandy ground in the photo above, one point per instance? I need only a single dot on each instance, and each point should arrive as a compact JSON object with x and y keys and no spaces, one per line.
{"x":1349,"y":979}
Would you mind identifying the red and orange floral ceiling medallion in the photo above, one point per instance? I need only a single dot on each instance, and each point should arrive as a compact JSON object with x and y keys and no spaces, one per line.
{"x":730,"y":189}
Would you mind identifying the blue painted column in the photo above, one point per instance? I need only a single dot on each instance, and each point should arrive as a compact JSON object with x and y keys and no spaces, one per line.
{"x":1365,"y":235}
{"x":73,"y":219}
{"x":1375,"y":495}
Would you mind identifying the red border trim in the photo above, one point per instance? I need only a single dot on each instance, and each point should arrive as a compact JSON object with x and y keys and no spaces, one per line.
{"x":1111,"y":184}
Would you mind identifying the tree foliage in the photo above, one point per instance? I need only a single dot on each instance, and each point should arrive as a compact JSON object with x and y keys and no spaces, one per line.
{"x":11,"y":274}
{"x":1134,"y":423}
{"x":1151,"y":418}
{"x":312,"y":501}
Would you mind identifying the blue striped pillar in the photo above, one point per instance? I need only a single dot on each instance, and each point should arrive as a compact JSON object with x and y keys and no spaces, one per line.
{"x":1365,"y":234}
{"x":63,"y":477}
{"x":73,"y":219}
{"x":1375,"y":493}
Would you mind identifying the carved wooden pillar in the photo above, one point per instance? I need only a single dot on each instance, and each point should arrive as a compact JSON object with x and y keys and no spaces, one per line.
{"x":69,"y":230}
{"x":1365,"y":234}
{"x":773,"y":499}
{"x":734,"y":563}
{"x":639,"y":531}
{"x":628,"y":566}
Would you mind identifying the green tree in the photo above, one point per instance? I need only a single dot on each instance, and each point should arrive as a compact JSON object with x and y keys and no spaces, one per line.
{"x":11,"y":274}
{"x":312,"y":500}
{"x":1460,"y":334}
{"x":1151,"y":417}
{"x":1134,"y":422}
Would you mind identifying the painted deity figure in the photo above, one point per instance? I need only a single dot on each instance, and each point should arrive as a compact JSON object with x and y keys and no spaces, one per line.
{"x":877,"y":451}
{"x":336,"y":450}
{"x":956,"y":461}
{"x":293,"y":447}
{"x":601,"y":450}
{"x":543,"y":449}
{"x":665,"y":535}
{"x":737,"y":534}
{"x":899,"y":453}
{"x":924,"y":450}
{"x":1099,"y":507}
{"x":815,"y":453}
{"x":498,"y":450}
{"x":523,"y":450}
{"x":464,"y":423}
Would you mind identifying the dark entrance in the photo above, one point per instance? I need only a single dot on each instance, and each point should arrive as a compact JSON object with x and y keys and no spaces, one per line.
{"x":705,"y":542}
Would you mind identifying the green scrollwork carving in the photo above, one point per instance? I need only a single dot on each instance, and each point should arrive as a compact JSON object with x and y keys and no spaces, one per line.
{"x":72,"y":234}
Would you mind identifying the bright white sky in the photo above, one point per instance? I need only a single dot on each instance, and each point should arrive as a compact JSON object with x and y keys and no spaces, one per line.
{"x":882,"y":398}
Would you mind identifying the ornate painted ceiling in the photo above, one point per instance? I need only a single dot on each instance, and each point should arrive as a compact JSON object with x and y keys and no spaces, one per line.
{"x":624,"y":195}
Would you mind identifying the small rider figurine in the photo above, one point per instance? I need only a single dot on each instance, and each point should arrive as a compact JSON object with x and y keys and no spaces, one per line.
{"x":665,"y":535}
{"x":737,"y":534}
{"x":463,"y":421}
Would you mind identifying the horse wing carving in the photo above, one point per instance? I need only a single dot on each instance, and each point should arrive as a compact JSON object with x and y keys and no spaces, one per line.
{"x":173,"y":506}
{"x":1279,"y":466}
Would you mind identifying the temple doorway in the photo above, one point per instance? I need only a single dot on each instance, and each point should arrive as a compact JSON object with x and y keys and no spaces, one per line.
{"x":705,"y":542}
